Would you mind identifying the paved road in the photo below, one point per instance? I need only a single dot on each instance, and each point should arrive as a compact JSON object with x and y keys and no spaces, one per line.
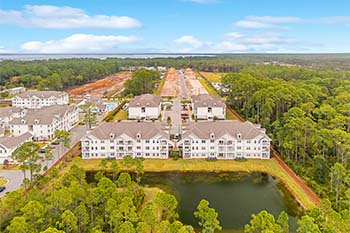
{"x":184,"y":91}
{"x":15,"y":177}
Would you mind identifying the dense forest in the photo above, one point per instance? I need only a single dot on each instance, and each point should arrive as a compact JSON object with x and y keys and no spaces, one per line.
{"x":142,"y":81}
{"x":62,"y":74}
{"x":307,"y":115}
{"x":70,"y":204}
{"x":54,"y":74}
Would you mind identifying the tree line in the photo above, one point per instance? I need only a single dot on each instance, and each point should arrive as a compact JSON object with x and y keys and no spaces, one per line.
{"x":70,"y":204}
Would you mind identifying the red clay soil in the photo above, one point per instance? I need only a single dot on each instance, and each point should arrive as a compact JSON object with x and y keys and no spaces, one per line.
{"x":171,"y":86}
{"x":290,"y":172}
{"x":102,"y":86}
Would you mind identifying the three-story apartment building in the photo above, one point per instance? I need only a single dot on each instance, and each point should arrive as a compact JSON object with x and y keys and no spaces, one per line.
{"x":39,"y":99}
{"x":224,"y":140}
{"x":208,"y":107}
{"x":145,"y":106}
{"x":118,"y":139}
{"x":42,"y":123}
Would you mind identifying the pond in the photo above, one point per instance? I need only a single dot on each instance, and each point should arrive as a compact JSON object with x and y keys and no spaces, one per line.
{"x":235,"y":196}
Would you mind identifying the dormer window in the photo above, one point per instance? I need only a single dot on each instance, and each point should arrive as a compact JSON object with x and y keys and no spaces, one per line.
{"x":111,"y":136}
{"x":239,"y":136}
{"x":23,"y":121}
{"x":138,"y":136}
{"x":211,"y":136}
{"x":36,"y":122}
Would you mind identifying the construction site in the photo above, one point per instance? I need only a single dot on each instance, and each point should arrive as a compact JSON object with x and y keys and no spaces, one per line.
{"x":107,"y":86}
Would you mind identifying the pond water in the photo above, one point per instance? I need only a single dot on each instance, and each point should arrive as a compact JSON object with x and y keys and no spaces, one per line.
{"x":235,"y":196}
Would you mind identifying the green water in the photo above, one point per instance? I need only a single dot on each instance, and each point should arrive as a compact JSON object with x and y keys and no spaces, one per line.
{"x":235,"y":196}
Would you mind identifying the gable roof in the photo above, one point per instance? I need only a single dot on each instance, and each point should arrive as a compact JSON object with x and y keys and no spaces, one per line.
{"x":130,"y":128}
{"x":41,"y":94}
{"x":204,"y":129}
{"x":145,"y":100}
{"x":11,"y":142}
{"x":206,"y":100}
{"x":43,"y":115}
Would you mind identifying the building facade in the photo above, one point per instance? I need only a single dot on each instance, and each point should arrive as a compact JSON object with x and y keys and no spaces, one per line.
{"x":39,"y":99}
{"x":10,"y":144}
{"x":118,"y":139}
{"x":42,"y":123}
{"x":224,"y":140}
{"x":147,"y":106}
{"x":208,"y":107}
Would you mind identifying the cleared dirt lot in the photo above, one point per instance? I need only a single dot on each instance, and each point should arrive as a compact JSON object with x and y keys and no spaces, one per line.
{"x":171,"y":86}
{"x":193,"y":85}
{"x":102,"y":86}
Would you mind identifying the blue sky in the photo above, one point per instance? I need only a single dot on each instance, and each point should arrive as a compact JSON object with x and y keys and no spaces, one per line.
{"x":187,"y":26}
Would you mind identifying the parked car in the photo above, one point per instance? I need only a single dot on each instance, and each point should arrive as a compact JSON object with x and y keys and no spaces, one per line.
{"x":2,"y":188}
{"x":42,"y":151}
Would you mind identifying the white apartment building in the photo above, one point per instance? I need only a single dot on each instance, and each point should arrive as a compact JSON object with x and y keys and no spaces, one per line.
{"x":42,"y":123}
{"x":118,"y":139}
{"x":10,"y":144}
{"x":208,"y":107}
{"x":145,"y":106}
{"x":224,"y":140}
{"x":9,"y":113}
{"x":39,"y":99}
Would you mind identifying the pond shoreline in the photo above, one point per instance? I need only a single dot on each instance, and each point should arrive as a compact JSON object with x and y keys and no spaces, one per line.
{"x":270,"y":167}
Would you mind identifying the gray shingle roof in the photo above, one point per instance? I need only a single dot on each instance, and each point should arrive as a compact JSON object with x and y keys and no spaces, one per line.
{"x":130,"y":128}
{"x":146,"y":100}
{"x":206,"y":100}
{"x":8,"y":111}
{"x":203,"y":129}
{"x":11,"y":142}
{"x":41,"y":94}
{"x":44,"y":115}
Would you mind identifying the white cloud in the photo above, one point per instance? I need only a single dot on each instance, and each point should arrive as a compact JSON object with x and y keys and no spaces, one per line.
{"x":334,"y":19}
{"x":189,"y":40}
{"x":233,"y":35}
{"x":272,"y":19}
{"x":236,"y":42}
{"x":56,"y":17}
{"x":78,"y":43}
{"x":266,"y":22}
{"x":254,"y":25}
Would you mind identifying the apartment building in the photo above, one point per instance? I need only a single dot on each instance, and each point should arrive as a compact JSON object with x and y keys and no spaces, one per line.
{"x":42,"y":123}
{"x":9,"y":113}
{"x":118,"y":139}
{"x":208,"y":107}
{"x":224,"y":140}
{"x":39,"y":99}
{"x":145,"y":106}
{"x":10,"y":144}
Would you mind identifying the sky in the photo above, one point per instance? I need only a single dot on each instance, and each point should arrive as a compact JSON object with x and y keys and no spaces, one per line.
{"x":175,"y":26}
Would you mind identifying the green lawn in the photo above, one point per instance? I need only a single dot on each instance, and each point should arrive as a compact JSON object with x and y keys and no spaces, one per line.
{"x":3,"y":182}
{"x":209,"y":88}
{"x":160,"y":87}
{"x":229,"y":115}
{"x":121,"y":115}
{"x":213,"y":76}
{"x":198,"y":165}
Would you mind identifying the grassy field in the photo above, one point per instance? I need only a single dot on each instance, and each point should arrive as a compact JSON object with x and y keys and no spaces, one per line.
{"x":229,"y":115}
{"x":268,"y":166}
{"x":160,"y":87}
{"x":209,"y":88}
{"x":121,"y":115}
{"x":3,"y":182}
{"x":212,"y":76}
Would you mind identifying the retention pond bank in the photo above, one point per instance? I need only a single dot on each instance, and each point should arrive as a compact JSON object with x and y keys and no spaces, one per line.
{"x":234,"y":195}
